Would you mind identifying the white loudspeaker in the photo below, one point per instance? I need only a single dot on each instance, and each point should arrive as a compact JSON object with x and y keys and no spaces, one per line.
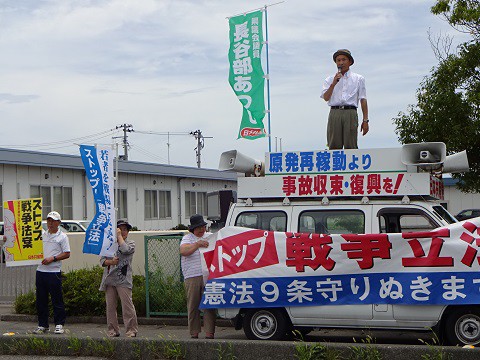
{"x":235,"y":161}
{"x":426,"y":156}
{"x":456,"y":163}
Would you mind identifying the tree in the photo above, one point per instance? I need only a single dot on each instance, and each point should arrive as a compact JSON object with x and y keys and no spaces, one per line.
{"x":448,"y":100}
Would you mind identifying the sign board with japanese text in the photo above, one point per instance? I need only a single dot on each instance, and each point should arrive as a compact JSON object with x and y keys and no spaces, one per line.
{"x":341,"y":184}
{"x":246,"y":75}
{"x":255,"y":268}
{"x":23,"y":230}
{"x":100,"y":237}
{"x":334,"y":161}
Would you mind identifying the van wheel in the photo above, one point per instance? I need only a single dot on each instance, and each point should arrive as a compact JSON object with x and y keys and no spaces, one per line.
{"x":463,"y":327}
{"x":265,"y":324}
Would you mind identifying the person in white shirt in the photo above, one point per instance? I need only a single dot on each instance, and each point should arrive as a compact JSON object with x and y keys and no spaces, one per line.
{"x":192,"y":274}
{"x":49,"y":275}
{"x":342,"y":92}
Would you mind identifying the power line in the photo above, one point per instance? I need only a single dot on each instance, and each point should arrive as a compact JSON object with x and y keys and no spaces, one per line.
{"x":147,"y":153}
{"x":63,"y":143}
{"x":197,"y":134}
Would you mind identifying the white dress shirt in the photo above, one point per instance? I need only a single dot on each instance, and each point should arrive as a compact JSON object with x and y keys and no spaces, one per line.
{"x":349,"y":90}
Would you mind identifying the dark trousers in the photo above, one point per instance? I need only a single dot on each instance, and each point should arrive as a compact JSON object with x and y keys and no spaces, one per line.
{"x":49,"y":283}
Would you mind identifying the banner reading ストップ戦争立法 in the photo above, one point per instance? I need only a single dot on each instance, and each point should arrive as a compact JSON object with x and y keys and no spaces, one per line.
{"x":246,"y":74}
{"x":256,"y":268}
{"x":22,"y":226}
{"x":100,"y":237}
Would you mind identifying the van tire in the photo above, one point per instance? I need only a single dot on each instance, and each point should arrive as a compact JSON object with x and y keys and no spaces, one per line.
{"x":462,"y":326}
{"x":265,"y":324}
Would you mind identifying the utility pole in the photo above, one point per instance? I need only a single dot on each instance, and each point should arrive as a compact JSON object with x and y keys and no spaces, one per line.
{"x":200,"y":145}
{"x":126,"y":128}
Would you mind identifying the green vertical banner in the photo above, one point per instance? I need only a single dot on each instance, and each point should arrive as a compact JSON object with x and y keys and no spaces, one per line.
{"x":246,"y":74}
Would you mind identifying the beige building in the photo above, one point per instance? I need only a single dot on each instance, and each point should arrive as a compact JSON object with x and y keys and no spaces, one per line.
{"x":151,"y":196}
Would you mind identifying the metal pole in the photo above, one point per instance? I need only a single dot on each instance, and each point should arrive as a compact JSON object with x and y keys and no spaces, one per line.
{"x":198,"y":136}
{"x":268,"y":83}
{"x":116,"y":182}
{"x":249,"y":11}
{"x":168,"y":147}
{"x":125,"y":147}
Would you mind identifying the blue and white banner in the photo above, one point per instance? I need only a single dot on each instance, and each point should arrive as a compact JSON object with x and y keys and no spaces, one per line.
{"x":100,"y":238}
{"x":255,"y":268}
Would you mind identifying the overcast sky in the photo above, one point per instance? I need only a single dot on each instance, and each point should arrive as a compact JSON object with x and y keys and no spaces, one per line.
{"x":70,"y":69}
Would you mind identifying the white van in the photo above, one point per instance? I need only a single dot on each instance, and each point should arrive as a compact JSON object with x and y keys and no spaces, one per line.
{"x":259,"y":206}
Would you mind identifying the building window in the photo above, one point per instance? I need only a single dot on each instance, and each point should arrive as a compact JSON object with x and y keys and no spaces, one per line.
{"x":151,"y":204}
{"x":165,"y":204}
{"x":195,"y":203}
{"x":122,"y":204}
{"x":58,"y":198}
{"x":158,"y":204}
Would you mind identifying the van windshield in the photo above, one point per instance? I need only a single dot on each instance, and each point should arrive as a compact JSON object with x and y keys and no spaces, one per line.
{"x":263,"y":220}
{"x":444,"y":214}
{"x":332,"y":222}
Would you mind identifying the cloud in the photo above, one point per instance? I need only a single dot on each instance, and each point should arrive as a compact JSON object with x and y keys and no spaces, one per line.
{"x":162,"y":66}
{"x":17,"y":99}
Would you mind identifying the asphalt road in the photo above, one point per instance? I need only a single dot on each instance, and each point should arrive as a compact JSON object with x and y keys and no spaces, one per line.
{"x":164,"y":329}
{"x":169,"y":331}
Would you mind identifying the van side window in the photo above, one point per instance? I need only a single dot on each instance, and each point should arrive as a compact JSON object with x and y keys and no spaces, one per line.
{"x":263,"y":220}
{"x":332,"y":222}
{"x":405,"y":220}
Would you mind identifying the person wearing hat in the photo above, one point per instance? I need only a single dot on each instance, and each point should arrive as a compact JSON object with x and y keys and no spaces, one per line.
{"x":117,"y":282}
{"x":342,"y":92}
{"x":48,"y":279}
{"x":192,"y":273}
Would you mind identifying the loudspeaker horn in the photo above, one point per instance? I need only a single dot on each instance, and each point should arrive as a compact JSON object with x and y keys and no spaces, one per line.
{"x":234,"y":161}
{"x":456,"y":163}
{"x":426,"y":156}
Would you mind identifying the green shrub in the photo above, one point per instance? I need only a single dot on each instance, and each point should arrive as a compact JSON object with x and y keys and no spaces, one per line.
{"x":138,"y":295}
{"x":25,"y":304}
{"x":167,"y":292}
{"x":81,"y":295}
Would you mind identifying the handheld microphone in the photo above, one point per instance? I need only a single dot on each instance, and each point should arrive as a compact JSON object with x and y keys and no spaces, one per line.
{"x":339,"y":71}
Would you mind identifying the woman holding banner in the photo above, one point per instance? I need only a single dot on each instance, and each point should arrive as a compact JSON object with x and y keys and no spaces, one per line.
{"x":117,"y":282}
{"x":192,"y":273}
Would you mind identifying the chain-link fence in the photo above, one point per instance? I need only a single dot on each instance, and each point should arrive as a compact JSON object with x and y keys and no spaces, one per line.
{"x":165,"y":294}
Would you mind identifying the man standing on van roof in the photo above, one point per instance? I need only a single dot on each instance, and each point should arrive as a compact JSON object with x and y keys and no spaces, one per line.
{"x":342,"y":91}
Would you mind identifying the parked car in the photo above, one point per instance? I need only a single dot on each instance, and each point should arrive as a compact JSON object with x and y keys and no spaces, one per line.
{"x":467,"y":214}
{"x":75,"y":225}
{"x":71,"y":225}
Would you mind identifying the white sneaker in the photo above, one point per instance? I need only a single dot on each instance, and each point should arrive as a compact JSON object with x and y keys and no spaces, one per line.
{"x":40,"y":330}
{"x":59,"y":329}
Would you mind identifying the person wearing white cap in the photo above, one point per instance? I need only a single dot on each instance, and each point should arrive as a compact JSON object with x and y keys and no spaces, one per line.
{"x":49,"y":275}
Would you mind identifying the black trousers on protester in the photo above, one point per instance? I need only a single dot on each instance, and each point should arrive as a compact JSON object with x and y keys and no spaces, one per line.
{"x":49,"y":283}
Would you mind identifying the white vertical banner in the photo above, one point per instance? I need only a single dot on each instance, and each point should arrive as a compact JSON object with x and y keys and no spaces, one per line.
{"x":100,"y":237}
